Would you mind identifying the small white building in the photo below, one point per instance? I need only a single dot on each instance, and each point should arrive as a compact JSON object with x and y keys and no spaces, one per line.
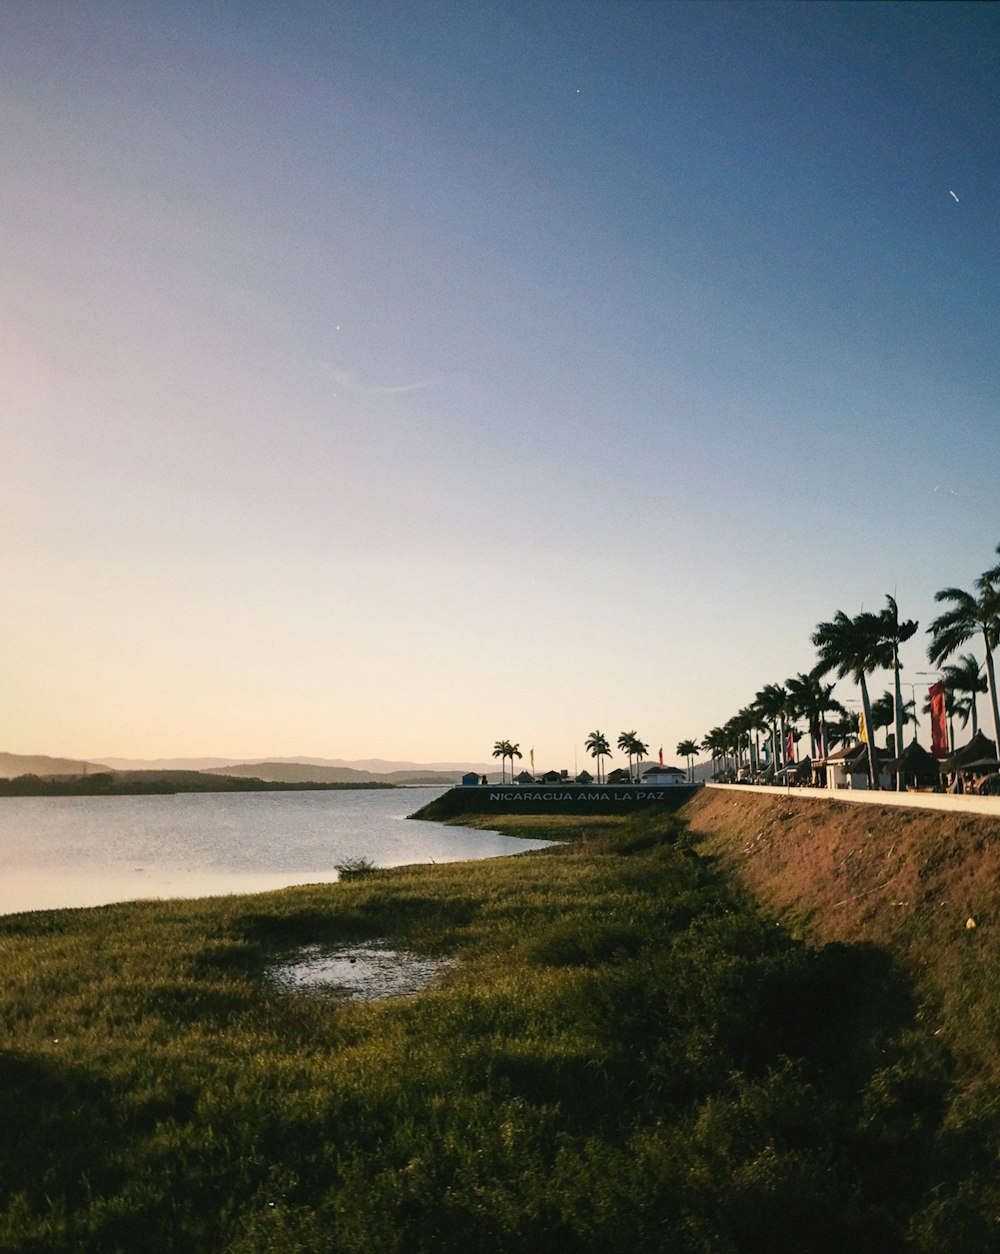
{"x":660,"y":775}
{"x":848,"y":768}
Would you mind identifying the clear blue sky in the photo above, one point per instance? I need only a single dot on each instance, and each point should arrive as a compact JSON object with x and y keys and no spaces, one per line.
{"x":390,"y":378}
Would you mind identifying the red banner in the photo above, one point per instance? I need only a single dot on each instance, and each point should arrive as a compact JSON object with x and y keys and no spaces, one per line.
{"x":939,"y":722}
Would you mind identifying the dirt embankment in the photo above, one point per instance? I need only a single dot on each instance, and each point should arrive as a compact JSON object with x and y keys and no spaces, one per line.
{"x":924,"y":884}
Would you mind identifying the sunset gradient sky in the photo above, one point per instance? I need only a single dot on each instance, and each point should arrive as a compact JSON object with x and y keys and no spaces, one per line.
{"x":386,"y":378}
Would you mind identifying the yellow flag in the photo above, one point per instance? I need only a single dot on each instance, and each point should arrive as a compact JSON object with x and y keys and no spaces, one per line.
{"x":862,"y":728}
{"x":532,"y":752}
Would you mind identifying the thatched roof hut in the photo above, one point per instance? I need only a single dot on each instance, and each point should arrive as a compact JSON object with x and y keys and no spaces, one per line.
{"x":980,"y":754}
{"x":915,"y":764}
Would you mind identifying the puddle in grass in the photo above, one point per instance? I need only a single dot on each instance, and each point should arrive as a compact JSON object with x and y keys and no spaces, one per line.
{"x":360,"y":972}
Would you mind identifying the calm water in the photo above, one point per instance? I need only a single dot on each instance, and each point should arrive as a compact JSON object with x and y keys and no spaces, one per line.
{"x":89,"y":851}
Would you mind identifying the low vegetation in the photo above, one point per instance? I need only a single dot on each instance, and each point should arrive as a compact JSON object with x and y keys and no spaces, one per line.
{"x":628,"y":1056}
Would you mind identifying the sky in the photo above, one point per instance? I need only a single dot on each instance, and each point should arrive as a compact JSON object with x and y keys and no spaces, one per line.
{"x":387,"y":379}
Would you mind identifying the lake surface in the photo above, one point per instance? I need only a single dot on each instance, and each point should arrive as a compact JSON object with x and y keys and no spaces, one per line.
{"x":90,"y":851}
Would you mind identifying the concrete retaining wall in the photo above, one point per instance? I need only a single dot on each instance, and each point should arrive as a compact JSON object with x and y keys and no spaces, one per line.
{"x":909,"y":800}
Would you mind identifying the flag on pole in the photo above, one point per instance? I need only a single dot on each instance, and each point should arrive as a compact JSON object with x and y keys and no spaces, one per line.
{"x":532,"y":755}
{"x":939,"y":721}
{"x":862,"y":728}
{"x":790,"y":746}
{"x":661,"y":755}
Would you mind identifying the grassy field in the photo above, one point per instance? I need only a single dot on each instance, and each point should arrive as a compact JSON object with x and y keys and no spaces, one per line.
{"x":626,"y":1055}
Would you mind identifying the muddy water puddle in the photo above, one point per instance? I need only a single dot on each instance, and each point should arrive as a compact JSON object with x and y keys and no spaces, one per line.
{"x":365,"y":972}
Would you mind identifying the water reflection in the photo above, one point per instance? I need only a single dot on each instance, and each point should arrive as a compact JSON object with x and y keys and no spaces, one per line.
{"x":89,"y":851}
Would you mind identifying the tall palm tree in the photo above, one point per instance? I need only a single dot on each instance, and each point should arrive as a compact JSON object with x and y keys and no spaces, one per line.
{"x":896,"y":633}
{"x":513,"y":751}
{"x":599,"y":748}
{"x":885,"y":711}
{"x":970,"y":615}
{"x":839,"y":731}
{"x":755,"y":723}
{"x":688,"y":749}
{"x":856,"y":647}
{"x":501,"y":750}
{"x":772,"y":705}
{"x":964,"y":679}
{"x":812,"y":700}
{"x":639,"y":750}
{"x":626,"y":743}
{"x":737,"y":731}
{"x":714,"y":743}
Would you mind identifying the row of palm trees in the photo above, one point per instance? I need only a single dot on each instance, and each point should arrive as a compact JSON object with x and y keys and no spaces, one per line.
{"x":597,"y":745}
{"x":599,"y":748}
{"x":503,"y":749}
{"x":856,"y":647}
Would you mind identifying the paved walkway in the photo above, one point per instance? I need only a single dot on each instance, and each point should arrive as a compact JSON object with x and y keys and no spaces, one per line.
{"x":909,"y":800}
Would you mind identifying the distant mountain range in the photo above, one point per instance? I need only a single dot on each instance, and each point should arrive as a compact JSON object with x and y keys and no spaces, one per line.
{"x":14,"y":764}
{"x":376,"y":766}
{"x":280,"y":770}
{"x":303,"y":772}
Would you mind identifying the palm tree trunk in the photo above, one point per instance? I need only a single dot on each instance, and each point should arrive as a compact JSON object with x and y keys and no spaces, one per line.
{"x":991,"y":679}
{"x":866,"y":705}
{"x":898,"y":699}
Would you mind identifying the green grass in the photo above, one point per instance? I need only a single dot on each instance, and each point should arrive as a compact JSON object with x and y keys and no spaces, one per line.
{"x":626,"y":1057}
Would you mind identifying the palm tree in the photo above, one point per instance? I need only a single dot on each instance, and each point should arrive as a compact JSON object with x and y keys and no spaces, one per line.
{"x":755,"y":723}
{"x":713,"y":743}
{"x":599,"y":748}
{"x":737,"y":731}
{"x":688,"y":749}
{"x":885,"y":711}
{"x":772,"y":705}
{"x":502,"y":750}
{"x":964,"y":679}
{"x":841,"y":730}
{"x":970,"y":615}
{"x":896,"y":633}
{"x":513,"y":751}
{"x":639,"y":750}
{"x":626,"y":743}
{"x":856,"y":647}
{"x":812,"y":700}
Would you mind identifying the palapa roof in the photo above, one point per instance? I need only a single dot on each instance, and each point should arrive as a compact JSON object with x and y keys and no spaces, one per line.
{"x":914,"y":760}
{"x":845,"y":751}
{"x":980,"y":752}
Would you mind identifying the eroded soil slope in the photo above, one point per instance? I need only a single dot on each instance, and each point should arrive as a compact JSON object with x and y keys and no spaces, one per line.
{"x":923,"y":884}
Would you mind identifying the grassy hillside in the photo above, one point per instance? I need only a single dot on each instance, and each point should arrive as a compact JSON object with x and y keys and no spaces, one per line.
{"x":627,"y":1055}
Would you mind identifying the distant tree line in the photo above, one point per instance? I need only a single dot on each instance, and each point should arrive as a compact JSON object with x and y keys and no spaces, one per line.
{"x":104,"y":784}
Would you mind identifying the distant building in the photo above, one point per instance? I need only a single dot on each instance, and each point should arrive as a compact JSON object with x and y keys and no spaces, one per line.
{"x":471,"y":778}
{"x":848,"y":768}
{"x":585,"y":777}
{"x":524,"y":778}
{"x":660,"y":775}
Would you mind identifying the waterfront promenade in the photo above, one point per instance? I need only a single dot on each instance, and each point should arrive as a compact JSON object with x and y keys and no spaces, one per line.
{"x":938,"y":801}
